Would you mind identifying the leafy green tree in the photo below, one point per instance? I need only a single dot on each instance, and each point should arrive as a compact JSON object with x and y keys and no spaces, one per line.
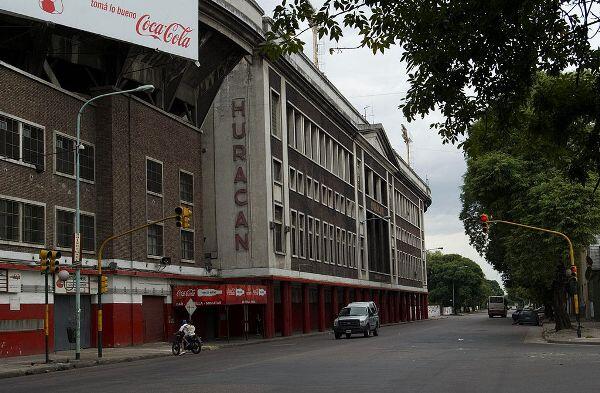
{"x":446,"y":270}
{"x":513,"y":175}
{"x":467,"y":58}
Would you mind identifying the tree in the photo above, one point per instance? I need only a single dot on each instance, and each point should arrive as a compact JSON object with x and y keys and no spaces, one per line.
{"x":447,"y":270}
{"x":513,"y":175}
{"x":467,"y":58}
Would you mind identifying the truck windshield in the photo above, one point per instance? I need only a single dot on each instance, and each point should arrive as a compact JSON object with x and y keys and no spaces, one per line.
{"x":353,"y":311}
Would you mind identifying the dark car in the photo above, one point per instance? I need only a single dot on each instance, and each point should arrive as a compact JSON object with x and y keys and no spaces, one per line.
{"x":515,"y":314}
{"x":528,"y":316}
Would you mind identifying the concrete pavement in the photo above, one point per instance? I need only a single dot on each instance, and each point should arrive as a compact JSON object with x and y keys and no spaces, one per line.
{"x":466,"y":354}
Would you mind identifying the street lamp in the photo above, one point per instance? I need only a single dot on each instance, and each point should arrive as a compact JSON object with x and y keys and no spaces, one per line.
{"x":78,"y":148}
{"x":453,"y":300}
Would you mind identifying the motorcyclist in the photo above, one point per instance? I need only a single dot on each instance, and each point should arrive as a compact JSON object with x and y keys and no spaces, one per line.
{"x":188,"y":330}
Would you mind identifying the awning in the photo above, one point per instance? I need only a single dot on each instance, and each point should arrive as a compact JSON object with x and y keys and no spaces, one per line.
{"x":220,"y":295}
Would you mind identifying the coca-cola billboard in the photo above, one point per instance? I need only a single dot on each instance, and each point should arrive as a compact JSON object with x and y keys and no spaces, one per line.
{"x":218,"y":295}
{"x":170,"y":27}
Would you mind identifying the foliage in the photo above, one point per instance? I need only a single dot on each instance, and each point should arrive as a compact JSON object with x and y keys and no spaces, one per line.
{"x":513,"y":175}
{"x":444,"y":270}
{"x":468,"y":58}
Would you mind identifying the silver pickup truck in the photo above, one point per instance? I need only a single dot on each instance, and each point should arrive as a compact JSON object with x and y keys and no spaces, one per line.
{"x":357,"y":318}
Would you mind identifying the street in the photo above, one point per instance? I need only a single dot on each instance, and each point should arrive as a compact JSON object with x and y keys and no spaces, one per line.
{"x":469,"y":353}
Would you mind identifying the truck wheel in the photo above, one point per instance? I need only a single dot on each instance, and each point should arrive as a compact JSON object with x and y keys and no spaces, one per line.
{"x":375,"y":332}
{"x":367,"y":331}
{"x":338,"y":336}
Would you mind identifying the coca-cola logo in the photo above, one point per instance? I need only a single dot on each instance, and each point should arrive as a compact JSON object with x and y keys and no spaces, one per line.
{"x":52,"y":6}
{"x":185,"y":292}
{"x":174,"y":34}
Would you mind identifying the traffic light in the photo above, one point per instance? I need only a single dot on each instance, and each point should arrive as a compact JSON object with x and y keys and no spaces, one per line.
{"x":184,"y":217}
{"x":484,"y":223}
{"x":103,"y":284}
{"x":44,"y":260}
{"x":54,"y":255}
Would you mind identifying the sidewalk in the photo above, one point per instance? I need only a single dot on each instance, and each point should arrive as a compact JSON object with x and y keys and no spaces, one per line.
{"x":65,"y":360}
{"x":590,"y":334}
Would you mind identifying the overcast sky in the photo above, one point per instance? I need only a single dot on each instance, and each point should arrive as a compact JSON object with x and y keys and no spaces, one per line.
{"x":379,"y":82}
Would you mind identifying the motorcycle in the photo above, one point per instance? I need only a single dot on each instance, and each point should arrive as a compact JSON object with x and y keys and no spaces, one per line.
{"x":193,"y":343}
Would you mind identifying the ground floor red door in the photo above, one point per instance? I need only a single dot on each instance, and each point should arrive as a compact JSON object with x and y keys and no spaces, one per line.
{"x":154,"y":318}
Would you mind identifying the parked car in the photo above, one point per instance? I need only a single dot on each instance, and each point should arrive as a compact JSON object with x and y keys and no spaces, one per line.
{"x":515,"y":314}
{"x":528,"y":316}
{"x":357,"y":318}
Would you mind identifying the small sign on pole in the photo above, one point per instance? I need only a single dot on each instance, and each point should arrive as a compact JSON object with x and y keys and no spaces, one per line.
{"x":76,"y":249}
{"x":190,"y":306}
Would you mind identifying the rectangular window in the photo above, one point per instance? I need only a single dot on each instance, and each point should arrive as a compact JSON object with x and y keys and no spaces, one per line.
{"x":325,"y":242}
{"x":307,"y":139}
{"x":317,"y":240}
{"x":309,"y":187}
{"x":154,"y":177}
{"x":65,"y":227}
{"x":311,"y":239}
{"x":86,"y":162}
{"x":278,"y":228}
{"x":21,"y":141}
{"x":344,"y":256}
{"x":331,"y":200}
{"x":324,"y":194}
{"x":290,"y":127}
{"x":187,"y":245}
{"x":302,"y":239}
{"x":323,"y":149}
{"x":315,"y":143}
{"x":33,"y":224}
{"x":186,"y":187}
{"x":300,"y":185}
{"x":275,"y":117}
{"x":294,"y":232}
{"x":299,"y":133}
{"x":338,"y":245}
{"x":316,"y":190}
{"x":331,"y":244}
{"x":277,"y":176}
{"x":65,"y":155}
{"x":155,"y":240}
{"x":9,"y":220}
{"x":292,"y":179}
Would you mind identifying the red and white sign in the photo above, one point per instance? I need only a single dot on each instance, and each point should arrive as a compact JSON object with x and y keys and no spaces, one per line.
{"x":220,"y":295}
{"x":170,"y":27}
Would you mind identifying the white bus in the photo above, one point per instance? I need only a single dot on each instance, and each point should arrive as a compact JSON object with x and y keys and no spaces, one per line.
{"x":497,"y":306}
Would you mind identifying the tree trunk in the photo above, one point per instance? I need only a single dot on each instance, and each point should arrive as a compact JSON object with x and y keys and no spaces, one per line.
{"x":561,"y":317}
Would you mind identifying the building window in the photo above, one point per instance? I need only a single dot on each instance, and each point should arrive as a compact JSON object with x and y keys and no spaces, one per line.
{"x":325,"y":242}
{"x":20,"y":141}
{"x":155,"y":240}
{"x":33,"y":224}
{"x":187,"y":245}
{"x":317,"y":240}
{"x":331,"y":244}
{"x":300,"y":185}
{"x":302,"y":239}
{"x":309,"y":187}
{"x":278,"y":228}
{"x":316,"y":191}
{"x":275,"y":115}
{"x":338,"y":245}
{"x":307,"y":139}
{"x":294,"y":233}
{"x":331,"y":200}
{"x":292,"y":179}
{"x":344,"y":256}
{"x":154,"y":177}
{"x":324,"y":194}
{"x":311,"y":239}
{"x":363,"y":261}
{"x":65,"y":157}
{"x":65,"y":228}
{"x":186,"y":187}
{"x":290,"y":126}
{"x":9,"y":220}
{"x":277,"y":181}
{"x":299,"y":133}
{"x":315,"y":143}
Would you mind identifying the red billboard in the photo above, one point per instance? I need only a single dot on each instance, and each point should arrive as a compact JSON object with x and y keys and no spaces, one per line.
{"x":218,"y":295}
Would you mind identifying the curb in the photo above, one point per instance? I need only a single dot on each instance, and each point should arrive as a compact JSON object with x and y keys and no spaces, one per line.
{"x":72,"y":364}
{"x":566,"y":342}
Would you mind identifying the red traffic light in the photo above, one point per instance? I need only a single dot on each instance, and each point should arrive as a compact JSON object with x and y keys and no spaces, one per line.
{"x":484,"y":218}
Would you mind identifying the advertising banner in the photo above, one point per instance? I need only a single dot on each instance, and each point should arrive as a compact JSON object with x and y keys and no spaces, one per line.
{"x":170,"y":27}
{"x":220,"y":295}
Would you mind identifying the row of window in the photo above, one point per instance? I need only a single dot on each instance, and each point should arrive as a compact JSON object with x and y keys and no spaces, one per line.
{"x":154,"y":181}
{"x":408,"y":238}
{"x":25,"y":223}
{"x":311,"y":141}
{"x":406,"y":209}
{"x":322,"y":242}
{"x":409,"y":266}
{"x":375,"y":186}
{"x":321,"y":193}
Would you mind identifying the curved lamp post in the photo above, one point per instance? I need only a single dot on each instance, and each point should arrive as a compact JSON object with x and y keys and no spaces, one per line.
{"x":78,"y":148}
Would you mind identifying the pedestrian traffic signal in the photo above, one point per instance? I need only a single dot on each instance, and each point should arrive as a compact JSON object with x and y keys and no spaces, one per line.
{"x":53,"y":256}
{"x":103,"y":284}
{"x":484,"y":223}
{"x":183,"y":218}
{"x":44,"y":254}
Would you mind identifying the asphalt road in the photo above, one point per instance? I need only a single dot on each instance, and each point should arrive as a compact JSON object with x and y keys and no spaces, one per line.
{"x":458,"y":354}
